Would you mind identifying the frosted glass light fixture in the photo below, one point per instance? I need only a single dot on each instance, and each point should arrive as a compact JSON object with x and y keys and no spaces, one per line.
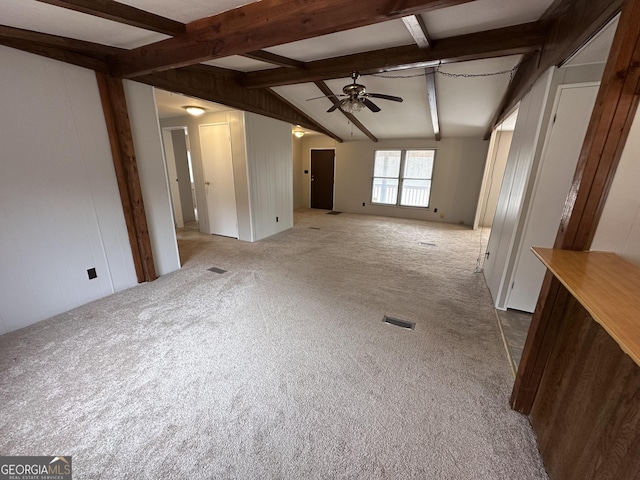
{"x":193,"y":110}
{"x":352,"y":105}
{"x":298,"y":134}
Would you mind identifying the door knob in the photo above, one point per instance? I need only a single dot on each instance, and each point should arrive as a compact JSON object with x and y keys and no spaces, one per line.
{"x":207,"y":183}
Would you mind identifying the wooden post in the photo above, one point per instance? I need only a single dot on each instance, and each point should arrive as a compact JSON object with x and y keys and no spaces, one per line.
{"x":114,"y":106}
{"x":606,"y":136}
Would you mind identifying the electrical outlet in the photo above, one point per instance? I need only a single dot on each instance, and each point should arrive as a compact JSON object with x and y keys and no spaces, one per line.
{"x":276,"y":219}
{"x":435,"y":210}
{"x":363,"y":204}
{"x":92,"y":273}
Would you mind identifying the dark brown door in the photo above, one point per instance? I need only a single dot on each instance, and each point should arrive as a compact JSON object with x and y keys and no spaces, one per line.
{"x":322,"y":170}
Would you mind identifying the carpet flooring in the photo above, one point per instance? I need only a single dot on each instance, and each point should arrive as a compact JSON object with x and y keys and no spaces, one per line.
{"x":281,"y":367}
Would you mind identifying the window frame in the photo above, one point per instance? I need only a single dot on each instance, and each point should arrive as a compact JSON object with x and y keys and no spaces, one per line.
{"x":401,"y":178}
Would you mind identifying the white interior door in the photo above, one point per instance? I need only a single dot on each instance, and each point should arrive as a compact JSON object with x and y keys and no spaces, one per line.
{"x":572,"y":112}
{"x":217,"y":167}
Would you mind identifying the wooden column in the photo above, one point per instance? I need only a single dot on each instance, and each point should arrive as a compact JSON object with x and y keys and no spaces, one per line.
{"x":114,"y":106}
{"x":605,"y":139}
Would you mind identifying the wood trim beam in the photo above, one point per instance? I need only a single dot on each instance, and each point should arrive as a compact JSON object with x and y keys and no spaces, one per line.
{"x":430,"y":77}
{"x":124,"y":160}
{"x":263,"y":24}
{"x":319,"y":128}
{"x":57,"y":53}
{"x":274,"y":59}
{"x":93,"y":49}
{"x":324,"y":88}
{"x":570,"y":24}
{"x":606,"y":137}
{"x":219,"y":85}
{"x":528,"y":64}
{"x":121,"y":13}
{"x":418,"y":30}
{"x":519,"y":39}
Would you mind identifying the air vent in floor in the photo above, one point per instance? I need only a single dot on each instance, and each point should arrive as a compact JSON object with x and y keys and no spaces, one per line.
{"x":399,"y":323}
{"x":314,"y":228}
{"x":217,"y":270}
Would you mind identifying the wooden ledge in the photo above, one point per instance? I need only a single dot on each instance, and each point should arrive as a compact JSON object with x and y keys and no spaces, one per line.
{"x":607,"y":286}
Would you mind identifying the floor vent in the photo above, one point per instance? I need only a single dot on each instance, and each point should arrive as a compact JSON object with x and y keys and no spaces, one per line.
{"x":333,"y":212}
{"x":399,"y":323}
{"x":427,"y":244}
{"x":314,"y":228}
{"x":217,"y":270}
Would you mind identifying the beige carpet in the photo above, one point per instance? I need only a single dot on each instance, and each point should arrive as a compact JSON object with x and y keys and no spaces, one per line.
{"x":280,"y":368}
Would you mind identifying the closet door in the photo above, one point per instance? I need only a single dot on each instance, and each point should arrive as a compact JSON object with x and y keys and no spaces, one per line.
{"x":219,"y":187}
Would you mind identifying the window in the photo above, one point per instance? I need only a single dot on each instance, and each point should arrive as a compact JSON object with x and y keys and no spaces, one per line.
{"x":402,"y":177}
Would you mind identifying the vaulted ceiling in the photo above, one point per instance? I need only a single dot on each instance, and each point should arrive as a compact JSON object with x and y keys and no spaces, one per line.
{"x":458,"y":64}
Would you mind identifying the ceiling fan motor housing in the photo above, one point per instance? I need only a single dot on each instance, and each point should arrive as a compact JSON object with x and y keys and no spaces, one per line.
{"x":354,"y":89}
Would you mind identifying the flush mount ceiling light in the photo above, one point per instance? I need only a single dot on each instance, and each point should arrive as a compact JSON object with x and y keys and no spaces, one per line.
{"x":195,"y":111}
{"x":298,"y":133}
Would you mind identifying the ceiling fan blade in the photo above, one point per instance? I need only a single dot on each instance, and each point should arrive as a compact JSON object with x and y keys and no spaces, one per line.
{"x":327,"y":96}
{"x":333,"y":108}
{"x":370,"y":105}
{"x":384,"y":97}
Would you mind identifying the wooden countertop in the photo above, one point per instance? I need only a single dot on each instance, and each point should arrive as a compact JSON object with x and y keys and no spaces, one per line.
{"x":606,"y":285}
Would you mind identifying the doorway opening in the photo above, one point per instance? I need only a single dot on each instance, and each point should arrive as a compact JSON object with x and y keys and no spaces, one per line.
{"x":322,"y":178}
{"x":180,"y":172}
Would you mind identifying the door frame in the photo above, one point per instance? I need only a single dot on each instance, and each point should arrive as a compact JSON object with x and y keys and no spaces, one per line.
{"x":333,"y":198}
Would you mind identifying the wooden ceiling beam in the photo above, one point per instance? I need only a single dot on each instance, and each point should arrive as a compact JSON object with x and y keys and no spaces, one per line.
{"x":274,"y":59}
{"x":77,"y":52}
{"x":518,"y":39}
{"x":430,"y":77}
{"x":569,"y":24}
{"x":319,"y":128}
{"x":218,"y":85}
{"x":18,"y":35}
{"x":418,"y":30}
{"x":263,"y":24}
{"x":324,"y":88}
{"x":121,"y":13}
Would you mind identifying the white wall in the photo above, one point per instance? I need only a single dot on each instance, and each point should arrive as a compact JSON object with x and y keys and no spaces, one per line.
{"x":619,"y":227}
{"x":456,"y":183}
{"x":60,"y":208}
{"x":147,"y":141}
{"x":270,"y":168}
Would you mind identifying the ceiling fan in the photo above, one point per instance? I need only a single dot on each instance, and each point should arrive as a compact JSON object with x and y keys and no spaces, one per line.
{"x":357,"y":98}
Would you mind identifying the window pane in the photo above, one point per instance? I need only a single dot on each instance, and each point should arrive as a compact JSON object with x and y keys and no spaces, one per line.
{"x":387,"y":163}
{"x":418,"y":164}
{"x":415,"y":193}
{"x":385,"y":190}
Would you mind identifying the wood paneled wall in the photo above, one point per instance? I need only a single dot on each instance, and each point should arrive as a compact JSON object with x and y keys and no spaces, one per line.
{"x":586,"y":414}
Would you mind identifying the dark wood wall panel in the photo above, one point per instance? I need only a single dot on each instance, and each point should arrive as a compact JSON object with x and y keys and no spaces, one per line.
{"x":587,"y":411}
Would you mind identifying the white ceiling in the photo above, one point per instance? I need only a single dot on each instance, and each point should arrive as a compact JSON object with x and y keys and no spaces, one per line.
{"x":465,"y":105}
